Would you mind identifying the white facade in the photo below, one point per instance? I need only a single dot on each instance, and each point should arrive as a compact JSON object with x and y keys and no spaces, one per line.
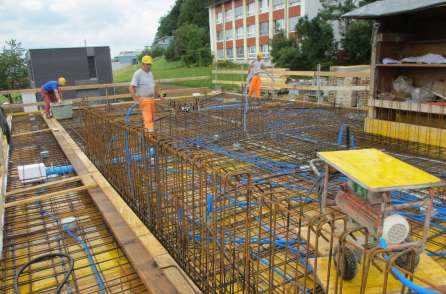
{"x":239,"y":29}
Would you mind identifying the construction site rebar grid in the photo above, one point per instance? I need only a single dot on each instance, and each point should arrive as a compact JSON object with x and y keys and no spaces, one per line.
{"x":229,"y":192}
{"x":34,"y":229}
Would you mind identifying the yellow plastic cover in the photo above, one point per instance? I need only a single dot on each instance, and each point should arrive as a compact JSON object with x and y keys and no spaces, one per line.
{"x":377,"y":171}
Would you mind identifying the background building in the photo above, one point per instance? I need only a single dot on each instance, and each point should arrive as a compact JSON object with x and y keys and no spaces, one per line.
{"x":163,"y":42}
{"x":241,"y":28}
{"x":128,"y":57}
{"x":80,"y":66}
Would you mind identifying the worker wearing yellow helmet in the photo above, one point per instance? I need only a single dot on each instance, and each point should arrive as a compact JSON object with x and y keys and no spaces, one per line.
{"x":144,"y":90}
{"x":254,"y":82}
{"x":51,"y":92}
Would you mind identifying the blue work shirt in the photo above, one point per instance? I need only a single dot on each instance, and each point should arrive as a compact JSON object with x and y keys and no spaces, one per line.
{"x":50,"y":86}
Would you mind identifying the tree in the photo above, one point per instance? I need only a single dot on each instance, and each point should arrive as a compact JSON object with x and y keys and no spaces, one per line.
{"x":168,"y":23}
{"x":170,"y":52}
{"x":194,"y":12}
{"x":356,"y":42}
{"x":355,"y":34}
{"x":13,"y":69}
{"x":279,"y":42}
{"x":316,"y":42}
{"x":192,"y":45}
{"x":314,"y":46}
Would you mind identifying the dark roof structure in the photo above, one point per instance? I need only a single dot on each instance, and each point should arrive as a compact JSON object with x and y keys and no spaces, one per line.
{"x":385,"y":8}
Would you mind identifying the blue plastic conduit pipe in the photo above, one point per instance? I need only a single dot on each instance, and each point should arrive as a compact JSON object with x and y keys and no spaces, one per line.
{"x":128,"y":155}
{"x":89,"y":256}
{"x":402,"y":278}
{"x":84,"y":246}
{"x":59,"y":170}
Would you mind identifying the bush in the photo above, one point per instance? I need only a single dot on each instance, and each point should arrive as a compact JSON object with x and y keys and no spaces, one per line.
{"x":227,"y":64}
{"x":170,"y":53}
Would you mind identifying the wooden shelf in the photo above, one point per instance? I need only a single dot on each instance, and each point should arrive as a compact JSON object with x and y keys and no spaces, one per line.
{"x":416,"y":65}
{"x":408,"y":106}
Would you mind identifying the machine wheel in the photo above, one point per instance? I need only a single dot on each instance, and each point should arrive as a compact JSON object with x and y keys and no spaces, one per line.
{"x":350,"y":263}
{"x":404,"y":261}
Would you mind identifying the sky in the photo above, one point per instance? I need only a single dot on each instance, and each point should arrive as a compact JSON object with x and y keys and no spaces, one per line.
{"x":120,"y":24}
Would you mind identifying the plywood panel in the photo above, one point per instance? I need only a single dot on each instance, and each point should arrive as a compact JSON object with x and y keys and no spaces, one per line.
{"x":406,"y":132}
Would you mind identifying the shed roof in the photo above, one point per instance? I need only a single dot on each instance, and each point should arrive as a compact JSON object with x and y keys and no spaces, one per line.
{"x":384,"y":8}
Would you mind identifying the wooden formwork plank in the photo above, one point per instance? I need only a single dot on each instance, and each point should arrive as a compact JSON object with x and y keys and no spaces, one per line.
{"x":102,"y":86}
{"x":30,"y":133}
{"x":153,"y":264}
{"x":48,"y":196}
{"x":45,"y":185}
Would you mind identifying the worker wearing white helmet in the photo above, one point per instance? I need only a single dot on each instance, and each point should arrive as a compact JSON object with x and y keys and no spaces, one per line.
{"x":51,"y":92}
{"x":144,"y":91}
{"x":254,"y":71}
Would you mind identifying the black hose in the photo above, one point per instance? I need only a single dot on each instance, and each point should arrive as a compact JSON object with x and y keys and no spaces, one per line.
{"x":40,"y":259}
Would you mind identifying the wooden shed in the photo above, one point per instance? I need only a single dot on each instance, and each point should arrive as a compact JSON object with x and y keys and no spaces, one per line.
{"x":408,"y":70}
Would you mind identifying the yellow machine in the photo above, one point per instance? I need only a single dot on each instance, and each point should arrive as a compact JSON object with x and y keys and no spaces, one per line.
{"x":365,"y":196}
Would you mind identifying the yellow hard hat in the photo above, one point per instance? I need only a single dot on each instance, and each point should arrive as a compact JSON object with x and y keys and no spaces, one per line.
{"x":147,"y":59}
{"x":260,"y":55}
{"x":62,"y":81}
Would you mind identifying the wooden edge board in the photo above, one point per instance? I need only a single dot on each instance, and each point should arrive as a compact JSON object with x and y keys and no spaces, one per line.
{"x":45,"y":185}
{"x":102,"y":86}
{"x":48,"y":196}
{"x":30,"y":133}
{"x":95,"y":99}
{"x":153,"y":264}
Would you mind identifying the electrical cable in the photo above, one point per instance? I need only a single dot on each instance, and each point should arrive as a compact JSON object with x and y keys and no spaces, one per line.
{"x":43,"y":258}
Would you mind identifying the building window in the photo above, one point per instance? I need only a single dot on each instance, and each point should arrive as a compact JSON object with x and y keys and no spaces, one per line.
{"x":264,"y":29}
{"x":263,"y":6}
{"x":293,"y":2}
{"x":278,"y":26}
{"x":220,"y":17}
{"x":240,"y":33}
{"x":252,"y":51}
{"x":241,"y":52}
{"x":229,"y":15}
{"x":220,"y":53}
{"x":265,"y":50}
{"x":278,"y":4}
{"x":251,"y":8}
{"x":229,"y":53}
{"x":251,"y":31}
{"x":229,"y":34}
{"x":239,"y":12}
{"x":220,"y":36}
{"x":91,"y":67}
{"x":293,"y":22}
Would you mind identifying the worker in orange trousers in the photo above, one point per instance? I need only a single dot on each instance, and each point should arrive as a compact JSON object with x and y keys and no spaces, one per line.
{"x":144,"y":90}
{"x":254,"y":81}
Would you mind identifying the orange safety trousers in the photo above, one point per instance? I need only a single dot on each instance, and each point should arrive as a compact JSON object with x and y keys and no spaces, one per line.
{"x":147,"y":106}
{"x":255,"y":86}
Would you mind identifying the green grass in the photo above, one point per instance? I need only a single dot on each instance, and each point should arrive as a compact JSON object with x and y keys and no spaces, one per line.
{"x":162,"y":69}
